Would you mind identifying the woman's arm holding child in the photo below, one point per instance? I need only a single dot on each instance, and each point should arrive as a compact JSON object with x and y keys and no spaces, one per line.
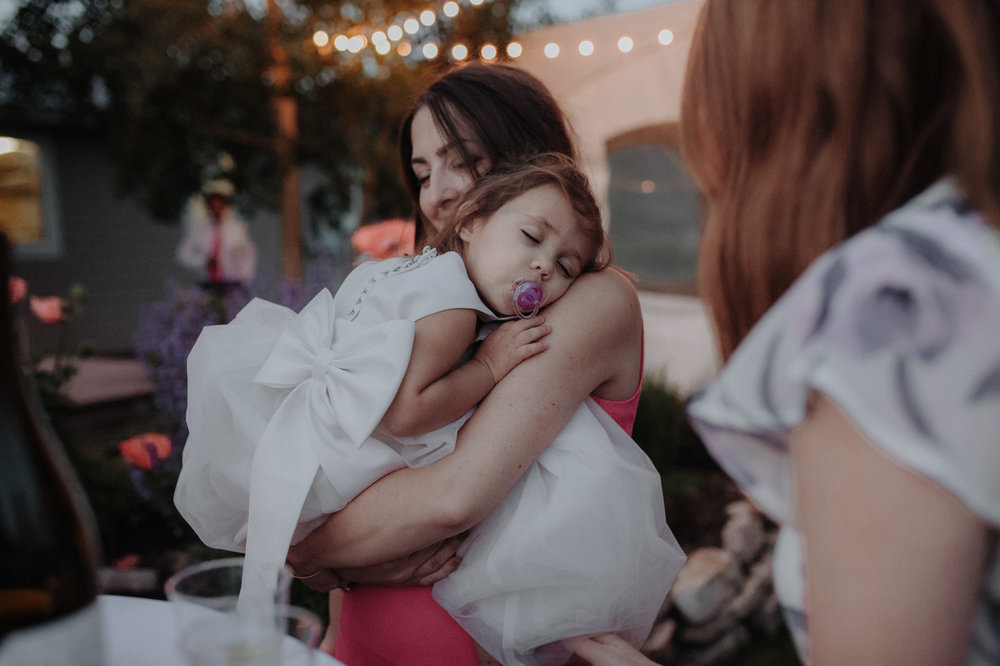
{"x":434,"y":392}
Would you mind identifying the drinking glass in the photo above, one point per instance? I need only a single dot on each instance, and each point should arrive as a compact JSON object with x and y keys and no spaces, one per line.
{"x":212,"y":631}
{"x":283,"y":635}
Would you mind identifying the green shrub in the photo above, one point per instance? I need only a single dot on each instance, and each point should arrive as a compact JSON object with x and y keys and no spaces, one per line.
{"x":662,"y":430}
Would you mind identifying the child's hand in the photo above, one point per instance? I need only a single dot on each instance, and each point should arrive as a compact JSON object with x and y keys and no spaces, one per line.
{"x":512,"y":343}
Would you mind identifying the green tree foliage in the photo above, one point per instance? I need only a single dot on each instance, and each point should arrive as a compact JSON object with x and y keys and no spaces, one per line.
{"x":171,"y":84}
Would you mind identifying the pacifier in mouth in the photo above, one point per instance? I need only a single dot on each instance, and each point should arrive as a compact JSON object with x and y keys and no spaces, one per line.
{"x":527,"y":298}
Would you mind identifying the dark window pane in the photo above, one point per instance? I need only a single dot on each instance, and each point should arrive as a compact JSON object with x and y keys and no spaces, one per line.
{"x":654,"y":216}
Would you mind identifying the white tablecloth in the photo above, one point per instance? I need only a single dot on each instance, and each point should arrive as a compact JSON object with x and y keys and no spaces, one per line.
{"x":141,"y":631}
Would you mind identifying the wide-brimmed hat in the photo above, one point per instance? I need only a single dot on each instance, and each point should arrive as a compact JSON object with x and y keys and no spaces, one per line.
{"x":219,"y":188}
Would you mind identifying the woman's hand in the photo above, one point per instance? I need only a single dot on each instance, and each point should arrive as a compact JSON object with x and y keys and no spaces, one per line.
{"x":513,"y":342}
{"x":610,"y":650}
{"x":424,"y":567}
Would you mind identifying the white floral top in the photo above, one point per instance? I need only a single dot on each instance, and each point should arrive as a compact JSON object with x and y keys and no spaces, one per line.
{"x":900,"y":326}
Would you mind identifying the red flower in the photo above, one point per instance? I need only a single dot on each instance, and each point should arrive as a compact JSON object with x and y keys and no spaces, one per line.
{"x":126,"y":562}
{"x":381,"y":240}
{"x":49,"y":310}
{"x":145,"y":451}
{"x":17,"y":287}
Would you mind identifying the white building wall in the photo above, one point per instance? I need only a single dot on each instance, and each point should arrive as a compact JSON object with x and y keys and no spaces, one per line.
{"x":610,"y":93}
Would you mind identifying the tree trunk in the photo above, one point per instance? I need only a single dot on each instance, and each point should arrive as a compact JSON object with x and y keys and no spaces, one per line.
{"x":287,"y":127}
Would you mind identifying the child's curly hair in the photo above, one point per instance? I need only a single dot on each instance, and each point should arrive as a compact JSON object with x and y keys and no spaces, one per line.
{"x":508,"y":181}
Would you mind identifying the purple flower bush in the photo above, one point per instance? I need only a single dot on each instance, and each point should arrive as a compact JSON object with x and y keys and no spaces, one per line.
{"x":169,"y":328}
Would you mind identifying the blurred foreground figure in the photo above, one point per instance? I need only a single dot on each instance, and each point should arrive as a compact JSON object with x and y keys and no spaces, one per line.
{"x":850,"y":157}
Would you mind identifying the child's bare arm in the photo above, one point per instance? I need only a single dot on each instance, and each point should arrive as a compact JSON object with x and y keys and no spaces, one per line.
{"x":511,"y":343}
{"x":434,"y":392}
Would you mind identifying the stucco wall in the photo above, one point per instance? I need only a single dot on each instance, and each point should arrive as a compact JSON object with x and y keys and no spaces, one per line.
{"x":610,"y":93}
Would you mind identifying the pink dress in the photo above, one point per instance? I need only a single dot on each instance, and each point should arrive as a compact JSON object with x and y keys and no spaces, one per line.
{"x":397,"y":626}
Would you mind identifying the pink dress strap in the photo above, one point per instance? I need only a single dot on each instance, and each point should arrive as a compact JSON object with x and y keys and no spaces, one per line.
{"x":623,"y":411}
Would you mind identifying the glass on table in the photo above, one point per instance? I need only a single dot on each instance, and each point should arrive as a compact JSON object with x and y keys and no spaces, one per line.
{"x":212,"y":630}
{"x":284,"y":635}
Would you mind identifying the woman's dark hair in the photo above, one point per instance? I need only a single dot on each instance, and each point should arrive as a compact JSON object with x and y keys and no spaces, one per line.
{"x":506,"y":182}
{"x":511,"y":113}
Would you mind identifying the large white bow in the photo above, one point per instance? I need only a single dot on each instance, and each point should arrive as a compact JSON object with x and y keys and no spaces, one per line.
{"x":341,"y":377}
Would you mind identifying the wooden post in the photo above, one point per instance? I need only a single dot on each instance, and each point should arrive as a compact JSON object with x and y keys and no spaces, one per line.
{"x":287,"y":127}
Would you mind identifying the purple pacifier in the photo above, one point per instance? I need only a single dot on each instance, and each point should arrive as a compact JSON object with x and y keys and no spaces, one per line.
{"x":527,"y":298}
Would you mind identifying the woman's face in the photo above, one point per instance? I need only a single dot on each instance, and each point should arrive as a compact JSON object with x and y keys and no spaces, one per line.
{"x":440,"y":167}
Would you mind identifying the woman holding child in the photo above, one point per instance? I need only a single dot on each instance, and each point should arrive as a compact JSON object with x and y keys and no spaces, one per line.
{"x":465,"y":123}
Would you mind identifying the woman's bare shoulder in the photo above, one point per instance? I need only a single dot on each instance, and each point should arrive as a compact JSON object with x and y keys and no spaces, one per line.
{"x":597,"y":333}
{"x":605,"y":298}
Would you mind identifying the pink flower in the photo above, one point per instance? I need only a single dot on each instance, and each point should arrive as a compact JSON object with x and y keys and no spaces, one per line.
{"x":48,"y":310}
{"x":17,"y":287}
{"x":381,"y":240}
{"x":147,"y":450}
{"x":126,"y":562}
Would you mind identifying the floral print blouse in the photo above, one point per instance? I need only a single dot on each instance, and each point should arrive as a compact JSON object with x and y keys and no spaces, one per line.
{"x":900,"y":326}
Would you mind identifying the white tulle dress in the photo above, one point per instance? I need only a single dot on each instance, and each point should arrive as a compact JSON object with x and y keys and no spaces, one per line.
{"x":283,"y":414}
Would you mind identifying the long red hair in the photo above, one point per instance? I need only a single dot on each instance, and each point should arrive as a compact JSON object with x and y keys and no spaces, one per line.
{"x":805,"y":121}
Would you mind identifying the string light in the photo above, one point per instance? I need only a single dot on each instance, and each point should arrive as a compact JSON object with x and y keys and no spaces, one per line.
{"x":381,"y":42}
{"x":381,"y":39}
{"x":357,"y":43}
